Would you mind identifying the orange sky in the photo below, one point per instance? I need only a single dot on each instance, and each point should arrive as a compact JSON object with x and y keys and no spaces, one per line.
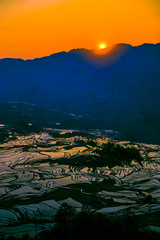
{"x":36,"y":28}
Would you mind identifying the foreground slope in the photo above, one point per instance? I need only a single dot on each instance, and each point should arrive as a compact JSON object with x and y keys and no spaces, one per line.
{"x":39,"y":172}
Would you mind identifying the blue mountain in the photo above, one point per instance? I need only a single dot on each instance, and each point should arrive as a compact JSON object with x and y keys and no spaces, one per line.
{"x":115,"y":89}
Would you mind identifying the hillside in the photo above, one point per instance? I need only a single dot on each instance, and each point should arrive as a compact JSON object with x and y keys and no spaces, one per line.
{"x":117,"y":90}
{"x":90,"y":172}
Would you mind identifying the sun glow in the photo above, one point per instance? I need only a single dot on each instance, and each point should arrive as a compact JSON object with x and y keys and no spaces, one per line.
{"x":102,"y":46}
{"x":37,"y":28}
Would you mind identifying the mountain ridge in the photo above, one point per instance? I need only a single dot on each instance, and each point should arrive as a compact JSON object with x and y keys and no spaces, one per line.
{"x":77,"y":49}
{"x":119,"y":90}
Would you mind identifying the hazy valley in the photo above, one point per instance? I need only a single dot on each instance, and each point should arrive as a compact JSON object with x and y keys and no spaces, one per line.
{"x":117,"y":89}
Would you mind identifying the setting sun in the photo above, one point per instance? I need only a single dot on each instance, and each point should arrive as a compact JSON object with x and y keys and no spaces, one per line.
{"x":41,"y":27}
{"x":102,"y":46}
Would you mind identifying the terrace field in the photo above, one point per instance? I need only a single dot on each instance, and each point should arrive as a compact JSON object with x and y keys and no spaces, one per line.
{"x":40,"y":171}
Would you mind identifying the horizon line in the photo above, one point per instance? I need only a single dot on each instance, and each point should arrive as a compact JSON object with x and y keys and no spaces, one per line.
{"x":93,"y":49}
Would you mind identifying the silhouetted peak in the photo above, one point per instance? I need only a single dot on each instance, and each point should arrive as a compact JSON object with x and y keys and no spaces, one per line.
{"x":79,"y":51}
{"x":122,"y":46}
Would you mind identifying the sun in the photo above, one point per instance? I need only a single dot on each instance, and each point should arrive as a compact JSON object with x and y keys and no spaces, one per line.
{"x":102,"y":46}
{"x":101,"y":49}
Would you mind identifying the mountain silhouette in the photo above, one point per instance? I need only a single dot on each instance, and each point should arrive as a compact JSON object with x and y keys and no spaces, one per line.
{"x":116,"y":88}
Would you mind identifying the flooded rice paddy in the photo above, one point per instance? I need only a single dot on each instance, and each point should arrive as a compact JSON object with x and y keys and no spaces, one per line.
{"x":36,"y":177}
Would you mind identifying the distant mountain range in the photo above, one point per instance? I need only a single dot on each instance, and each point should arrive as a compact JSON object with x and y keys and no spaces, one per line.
{"x":117,"y":89}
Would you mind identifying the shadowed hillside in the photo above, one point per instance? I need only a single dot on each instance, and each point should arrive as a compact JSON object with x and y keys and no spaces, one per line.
{"x":117,"y":89}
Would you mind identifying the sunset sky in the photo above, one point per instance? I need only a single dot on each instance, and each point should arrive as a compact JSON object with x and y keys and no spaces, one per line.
{"x":36,"y":28}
